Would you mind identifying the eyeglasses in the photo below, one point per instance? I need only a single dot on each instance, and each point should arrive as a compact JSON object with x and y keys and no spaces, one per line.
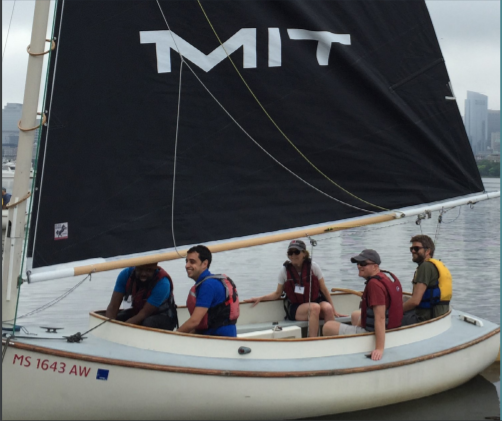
{"x":363,"y":264}
{"x":295,"y":252}
{"x":415,"y":249}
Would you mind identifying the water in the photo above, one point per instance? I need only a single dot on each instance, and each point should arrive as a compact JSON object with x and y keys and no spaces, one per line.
{"x":468,"y":242}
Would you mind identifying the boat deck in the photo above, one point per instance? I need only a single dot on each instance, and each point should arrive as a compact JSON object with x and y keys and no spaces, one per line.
{"x":461,"y":334}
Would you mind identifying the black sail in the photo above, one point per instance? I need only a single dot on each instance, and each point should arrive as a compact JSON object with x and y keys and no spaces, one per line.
{"x":358,"y":87}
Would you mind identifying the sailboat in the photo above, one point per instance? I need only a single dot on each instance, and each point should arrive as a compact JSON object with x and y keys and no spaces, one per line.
{"x":233,"y":124}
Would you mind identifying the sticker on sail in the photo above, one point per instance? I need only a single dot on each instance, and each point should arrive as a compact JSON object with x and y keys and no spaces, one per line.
{"x":61,"y":231}
{"x":102,"y":374}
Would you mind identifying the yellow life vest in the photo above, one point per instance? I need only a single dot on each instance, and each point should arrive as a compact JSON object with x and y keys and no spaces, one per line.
{"x":445,"y":280}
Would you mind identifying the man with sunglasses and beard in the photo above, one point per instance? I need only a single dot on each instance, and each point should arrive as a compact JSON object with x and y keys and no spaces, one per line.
{"x":432,"y":284}
{"x":152,"y":301}
{"x":381,"y":303}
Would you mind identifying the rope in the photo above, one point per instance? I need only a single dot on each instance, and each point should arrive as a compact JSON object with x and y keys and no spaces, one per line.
{"x":438,"y":226}
{"x":54,"y":20}
{"x":276,"y":125}
{"x":77,"y":337}
{"x":53,"y":46}
{"x":25,"y":197}
{"x":8,"y":30}
{"x":44,"y":120}
{"x":246,"y":133}
{"x":453,"y":220}
{"x":313,"y":243}
{"x":175,"y":159}
{"x":7,"y":342}
{"x":54,"y":301}
{"x":355,"y":228}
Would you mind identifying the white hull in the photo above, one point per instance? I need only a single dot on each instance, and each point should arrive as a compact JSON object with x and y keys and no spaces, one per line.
{"x":165,"y":375}
{"x":132,"y":393}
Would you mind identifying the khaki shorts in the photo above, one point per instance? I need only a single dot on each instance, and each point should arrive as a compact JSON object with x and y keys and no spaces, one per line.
{"x":350,"y":330}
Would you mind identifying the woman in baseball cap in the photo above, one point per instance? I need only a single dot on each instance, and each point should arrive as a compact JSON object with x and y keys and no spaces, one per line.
{"x":306,"y":293}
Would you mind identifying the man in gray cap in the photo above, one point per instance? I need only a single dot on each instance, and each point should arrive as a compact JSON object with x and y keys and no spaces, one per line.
{"x":381,"y":303}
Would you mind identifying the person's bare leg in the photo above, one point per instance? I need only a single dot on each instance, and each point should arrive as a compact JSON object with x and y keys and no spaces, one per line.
{"x":327,"y":312}
{"x":355,"y":317}
{"x":303,"y":314}
{"x":331,"y":328}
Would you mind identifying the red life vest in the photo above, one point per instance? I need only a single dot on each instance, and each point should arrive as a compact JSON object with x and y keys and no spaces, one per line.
{"x":141,"y":291}
{"x":293,"y":279}
{"x":394,"y":313}
{"x":223,"y":314}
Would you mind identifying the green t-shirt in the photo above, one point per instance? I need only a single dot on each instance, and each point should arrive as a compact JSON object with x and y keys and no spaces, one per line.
{"x":428,"y":274}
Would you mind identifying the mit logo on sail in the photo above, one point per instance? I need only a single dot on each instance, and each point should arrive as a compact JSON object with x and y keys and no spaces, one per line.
{"x":165,"y":41}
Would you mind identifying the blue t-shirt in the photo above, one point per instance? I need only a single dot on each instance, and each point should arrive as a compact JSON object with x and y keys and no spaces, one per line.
{"x":160,"y":291}
{"x":6,"y":198}
{"x":209,"y":294}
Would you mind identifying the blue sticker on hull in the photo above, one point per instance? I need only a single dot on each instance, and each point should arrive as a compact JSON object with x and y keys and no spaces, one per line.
{"x":102,"y":374}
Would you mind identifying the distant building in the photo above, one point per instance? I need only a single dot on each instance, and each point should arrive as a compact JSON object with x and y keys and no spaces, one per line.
{"x":476,"y":121}
{"x":495,"y":143}
{"x":494,"y":130}
{"x":11,"y":114}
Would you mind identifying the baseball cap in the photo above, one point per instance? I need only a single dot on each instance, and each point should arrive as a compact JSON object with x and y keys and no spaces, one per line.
{"x":367,"y":254}
{"x":297,"y":244}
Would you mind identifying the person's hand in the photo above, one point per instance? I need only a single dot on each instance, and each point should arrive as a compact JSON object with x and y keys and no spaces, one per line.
{"x":377,"y":354}
{"x":255,"y":301}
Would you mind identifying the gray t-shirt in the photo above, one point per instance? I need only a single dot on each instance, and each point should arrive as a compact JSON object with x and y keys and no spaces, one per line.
{"x":428,"y":274}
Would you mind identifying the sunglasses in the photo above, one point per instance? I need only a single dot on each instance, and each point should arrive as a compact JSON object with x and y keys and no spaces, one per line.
{"x":363,"y":264}
{"x":295,"y":252}
{"x":415,"y":249}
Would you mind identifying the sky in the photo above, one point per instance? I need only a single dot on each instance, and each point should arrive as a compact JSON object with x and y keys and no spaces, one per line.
{"x":468,"y":32}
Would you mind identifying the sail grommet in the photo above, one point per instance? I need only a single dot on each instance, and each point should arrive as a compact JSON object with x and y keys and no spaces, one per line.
{"x":44,"y":120}
{"x":53,"y":46}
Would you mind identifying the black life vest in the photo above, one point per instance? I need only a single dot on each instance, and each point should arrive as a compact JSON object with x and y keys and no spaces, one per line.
{"x":141,"y":291}
{"x":293,"y":279}
{"x":393,"y":313}
{"x":223,"y":314}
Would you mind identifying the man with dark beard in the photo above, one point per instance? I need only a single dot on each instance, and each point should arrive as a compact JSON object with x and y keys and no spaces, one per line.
{"x":152,"y":299}
{"x":432,"y":284}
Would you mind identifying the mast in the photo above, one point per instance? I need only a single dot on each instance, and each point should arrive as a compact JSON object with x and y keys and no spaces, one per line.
{"x":15,"y":231}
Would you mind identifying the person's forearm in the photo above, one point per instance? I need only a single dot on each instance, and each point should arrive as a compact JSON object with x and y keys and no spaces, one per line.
{"x":142,"y":315}
{"x":136,"y":320}
{"x":270,"y":297}
{"x":380,"y":333}
{"x":112,"y":311}
{"x":327,"y":295}
{"x":188,"y":326}
{"x":409,"y":305}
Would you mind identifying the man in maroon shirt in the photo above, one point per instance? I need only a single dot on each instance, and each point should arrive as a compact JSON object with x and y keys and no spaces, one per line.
{"x":381,"y":303}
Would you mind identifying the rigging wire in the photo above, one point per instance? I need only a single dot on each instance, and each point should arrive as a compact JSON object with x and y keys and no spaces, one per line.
{"x":174,"y":164}
{"x":8,"y":30}
{"x":357,"y":230}
{"x":276,"y":125}
{"x":247,"y":134}
{"x":438,"y":226}
{"x":313,"y":243}
{"x":52,"y":302}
